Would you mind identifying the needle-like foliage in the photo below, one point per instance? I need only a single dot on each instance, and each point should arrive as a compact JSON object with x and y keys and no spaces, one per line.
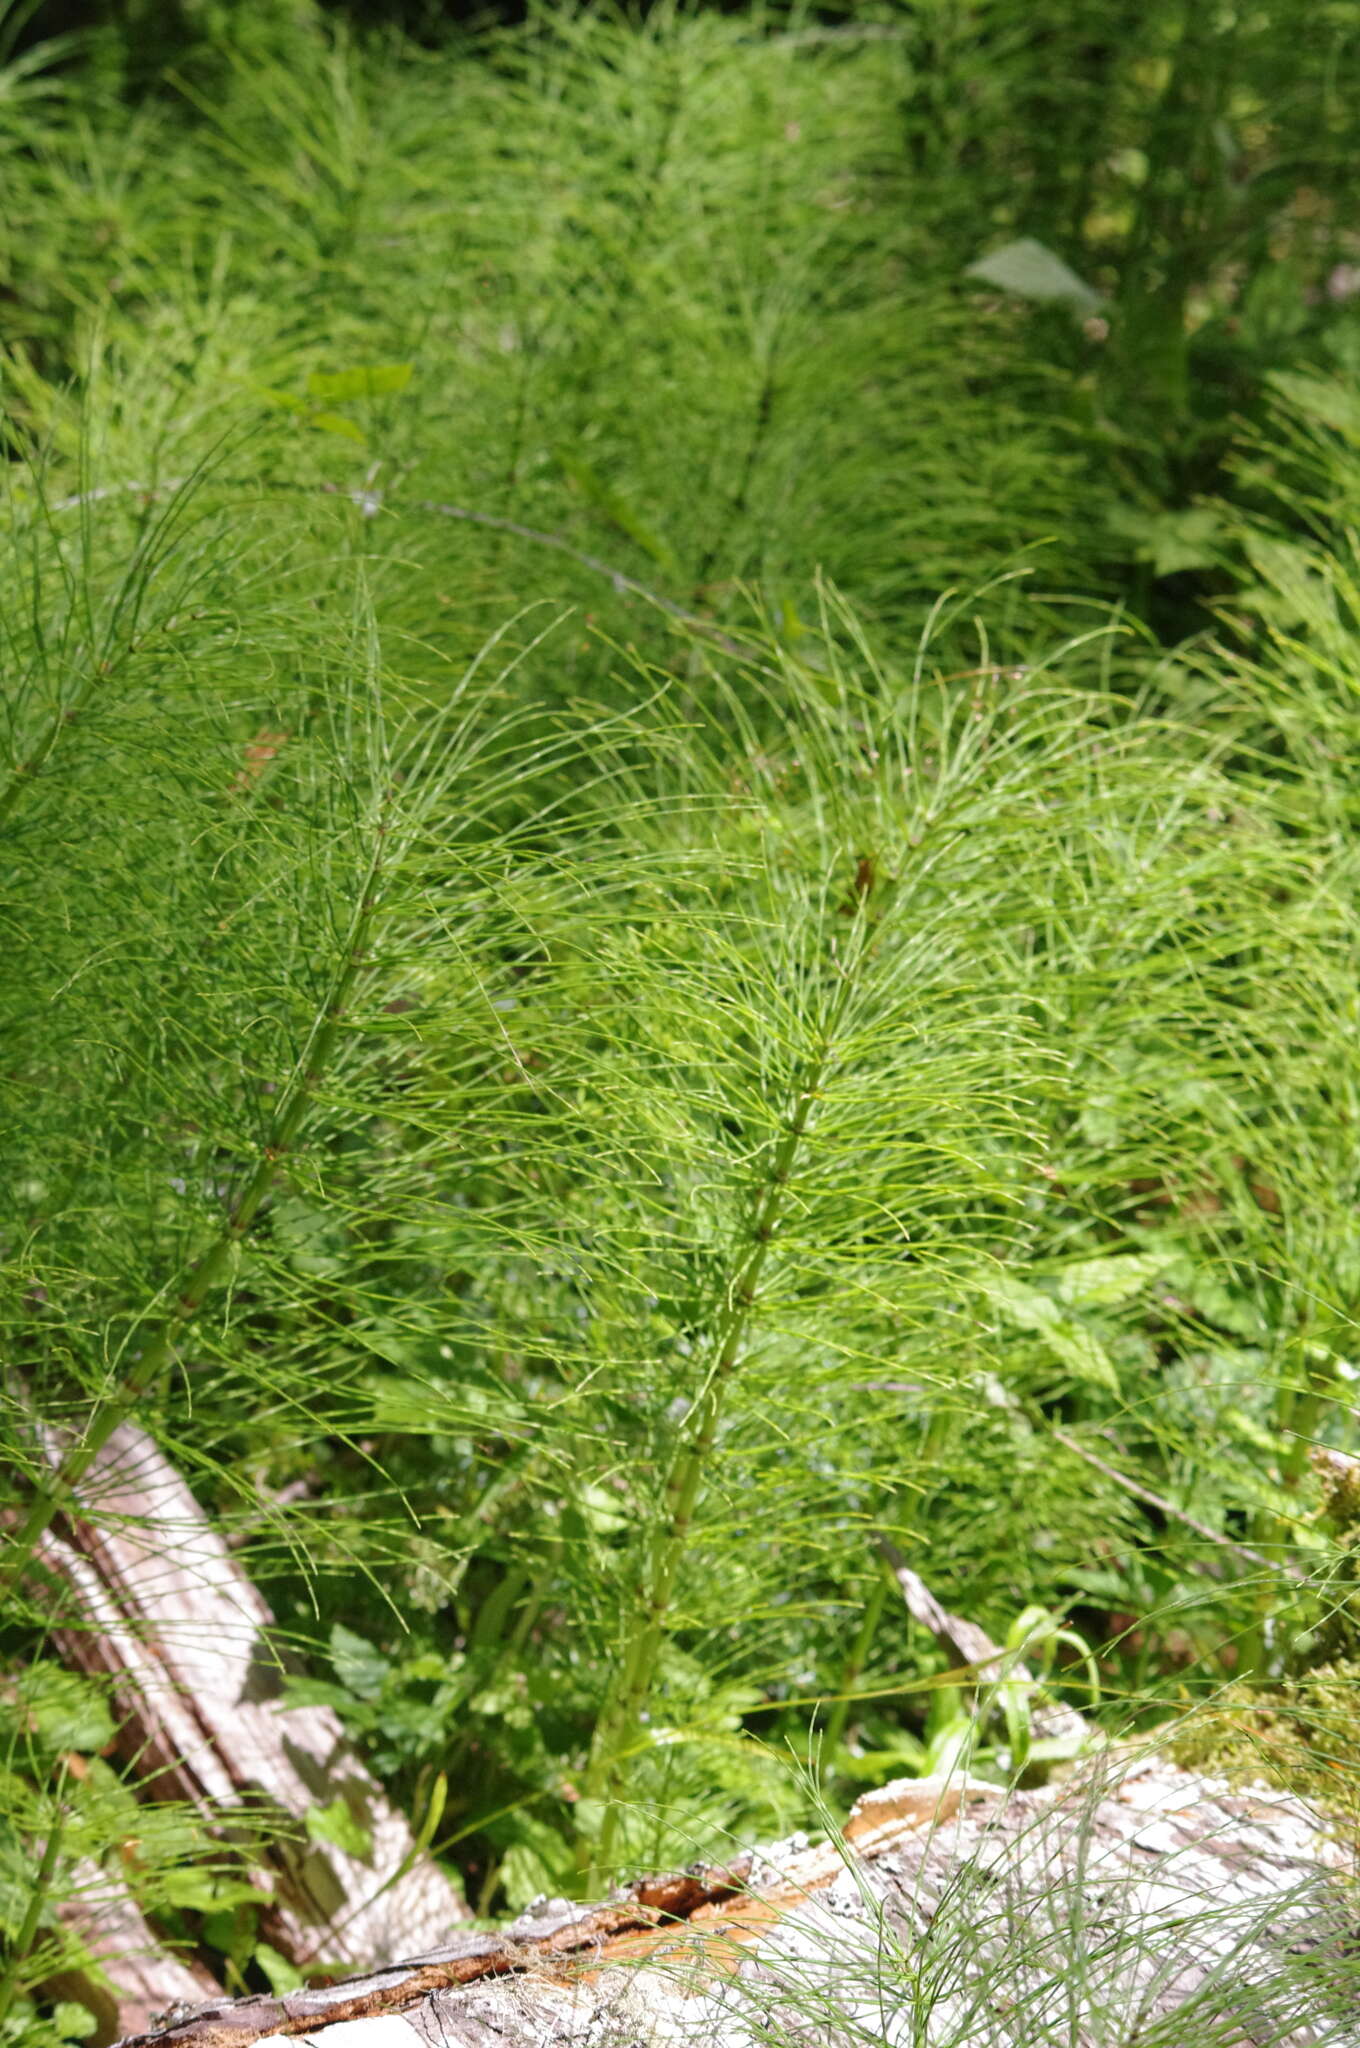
{"x":581,"y":1042}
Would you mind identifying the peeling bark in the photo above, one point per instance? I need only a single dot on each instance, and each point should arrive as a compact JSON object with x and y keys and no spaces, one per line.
{"x":970,"y":1644}
{"x":1111,"y":1908}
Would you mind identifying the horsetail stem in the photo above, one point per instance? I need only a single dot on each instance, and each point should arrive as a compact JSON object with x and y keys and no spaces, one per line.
{"x":52,"y":1493}
{"x":626,"y":1701}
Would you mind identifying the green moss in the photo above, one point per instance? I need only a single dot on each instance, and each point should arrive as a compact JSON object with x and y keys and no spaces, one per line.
{"x":1302,"y":1735}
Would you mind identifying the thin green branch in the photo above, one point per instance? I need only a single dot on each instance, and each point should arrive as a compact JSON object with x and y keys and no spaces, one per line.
{"x":43,"y":1879}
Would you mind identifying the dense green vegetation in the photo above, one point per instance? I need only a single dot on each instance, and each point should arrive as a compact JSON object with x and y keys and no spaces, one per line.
{"x":679,"y":886}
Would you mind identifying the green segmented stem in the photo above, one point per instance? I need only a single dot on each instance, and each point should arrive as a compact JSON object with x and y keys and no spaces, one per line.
{"x":625,"y":1704}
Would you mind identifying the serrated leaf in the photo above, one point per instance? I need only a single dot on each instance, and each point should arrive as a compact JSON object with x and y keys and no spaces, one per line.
{"x":369,"y":382}
{"x":1031,"y":271}
{"x":1104,"y":1283}
{"x":1250,"y":1431}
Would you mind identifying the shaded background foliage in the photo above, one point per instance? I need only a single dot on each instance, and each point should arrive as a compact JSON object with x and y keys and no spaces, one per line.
{"x":1193,"y":167}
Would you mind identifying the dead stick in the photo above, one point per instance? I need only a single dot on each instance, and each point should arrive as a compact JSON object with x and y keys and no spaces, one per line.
{"x":369,"y":501}
{"x":971,"y":1644}
{"x":1166,"y":1507}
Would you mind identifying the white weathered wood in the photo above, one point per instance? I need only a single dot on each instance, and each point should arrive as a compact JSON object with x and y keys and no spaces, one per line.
{"x":162,"y":1607}
{"x":1141,"y":1903}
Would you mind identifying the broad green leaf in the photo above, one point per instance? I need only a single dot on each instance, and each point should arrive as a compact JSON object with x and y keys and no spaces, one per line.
{"x":1104,"y":1283}
{"x":950,"y":1747}
{"x":1172,"y":541}
{"x":62,"y":1708}
{"x":282,"y":1975}
{"x":313,"y":1692}
{"x":339,"y":1825}
{"x":1017,"y":1707}
{"x":1327,"y":400}
{"x":1109,"y":1586}
{"x":200,"y":1890}
{"x":335,"y":423}
{"x":537,"y":1858}
{"x":430,"y":1665}
{"x":1068,"y":1340}
{"x":329,"y":422}
{"x":905,"y":1758}
{"x":1031,"y":271}
{"x":1213,"y":1297}
{"x":370,"y":382}
{"x":601,"y":1510}
{"x":73,"y":2021}
{"x":286,"y":401}
{"x":359,"y":1666}
{"x":526,"y":1874}
{"x":420,"y":1407}
{"x":1294,"y":589}
{"x":433,"y":1814}
{"x":231,"y":1930}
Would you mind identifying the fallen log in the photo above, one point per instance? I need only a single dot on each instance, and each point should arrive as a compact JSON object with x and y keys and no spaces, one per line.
{"x":151,"y":1599}
{"x":1136,"y":1902}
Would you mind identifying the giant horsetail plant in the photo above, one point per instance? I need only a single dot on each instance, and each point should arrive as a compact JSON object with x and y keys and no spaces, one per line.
{"x":154,"y":1343}
{"x":677,"y":1163}
{"x":323,"y":806}
{"x":862,"y":1041}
